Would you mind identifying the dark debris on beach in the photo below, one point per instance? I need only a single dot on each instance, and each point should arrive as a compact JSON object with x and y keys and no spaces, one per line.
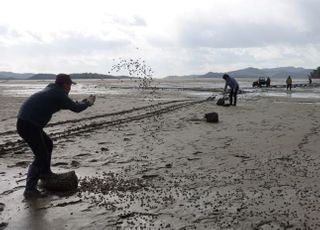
{"x":111,"y":182}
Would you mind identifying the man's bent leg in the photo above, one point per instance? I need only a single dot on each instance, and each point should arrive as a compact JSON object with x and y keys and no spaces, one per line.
{"x":32,"y":176}
{"x":33,"y":136}
{"x":231,"y":97}
{"x":49,"y":144}
{"x":235,"y":96}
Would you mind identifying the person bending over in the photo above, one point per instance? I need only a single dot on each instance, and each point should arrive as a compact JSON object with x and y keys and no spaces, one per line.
{"x":234,"y":88}
{"x":34,"y":115}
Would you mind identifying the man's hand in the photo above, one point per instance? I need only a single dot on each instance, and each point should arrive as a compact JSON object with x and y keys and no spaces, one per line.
{"x":91,"y":99}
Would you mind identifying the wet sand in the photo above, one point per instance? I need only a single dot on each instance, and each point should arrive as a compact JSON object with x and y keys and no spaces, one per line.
{"x":157,"y":164}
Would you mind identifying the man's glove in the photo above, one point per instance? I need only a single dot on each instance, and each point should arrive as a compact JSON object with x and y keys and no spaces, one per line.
{"x":91,"y":99}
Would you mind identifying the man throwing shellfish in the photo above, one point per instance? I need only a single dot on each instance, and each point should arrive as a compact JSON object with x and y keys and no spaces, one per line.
{"x":34,"y":115}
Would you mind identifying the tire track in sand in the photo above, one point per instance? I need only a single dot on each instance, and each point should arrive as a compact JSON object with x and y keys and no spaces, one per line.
{"x":97,"y":122}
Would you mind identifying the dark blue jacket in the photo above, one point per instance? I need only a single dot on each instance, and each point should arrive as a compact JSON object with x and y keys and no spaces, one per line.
{"x":232,"y":83}
{"x":39,"y":107}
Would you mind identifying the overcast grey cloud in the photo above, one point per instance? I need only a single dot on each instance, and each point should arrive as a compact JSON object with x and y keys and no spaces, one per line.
{"x":3,"y":30}
{"x":192,"y":37}
{"x":235,"y":34}
{"x":291,"y":24}
{"x":134,"y":21}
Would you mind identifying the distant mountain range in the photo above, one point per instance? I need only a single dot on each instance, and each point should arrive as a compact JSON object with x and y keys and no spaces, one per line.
{"x":42,"y":76}
{"x":279,"y":72}
{"x":11,"y":75}
{"x":49,"y":76}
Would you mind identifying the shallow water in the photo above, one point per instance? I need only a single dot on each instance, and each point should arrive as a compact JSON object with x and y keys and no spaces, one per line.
{"x":201,"y":88}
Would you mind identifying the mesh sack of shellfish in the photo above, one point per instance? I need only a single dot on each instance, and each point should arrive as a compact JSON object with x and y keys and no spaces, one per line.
{"x":60,"y":182}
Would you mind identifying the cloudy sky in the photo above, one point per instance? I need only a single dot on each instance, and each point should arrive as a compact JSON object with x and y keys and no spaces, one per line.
{"x":173,"y":37}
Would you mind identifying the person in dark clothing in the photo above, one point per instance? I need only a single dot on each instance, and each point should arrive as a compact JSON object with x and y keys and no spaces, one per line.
{"x":234,"y":88}
{"x":34,"y":115}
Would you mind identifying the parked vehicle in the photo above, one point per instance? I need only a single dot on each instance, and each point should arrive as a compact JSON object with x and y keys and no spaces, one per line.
{"x":262,"y":81}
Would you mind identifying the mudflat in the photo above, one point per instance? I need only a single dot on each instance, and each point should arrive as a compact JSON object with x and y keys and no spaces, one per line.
{"x":157,"y":164}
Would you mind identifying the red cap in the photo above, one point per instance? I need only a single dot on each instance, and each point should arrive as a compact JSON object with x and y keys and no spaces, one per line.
{"x":63,"y":78}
